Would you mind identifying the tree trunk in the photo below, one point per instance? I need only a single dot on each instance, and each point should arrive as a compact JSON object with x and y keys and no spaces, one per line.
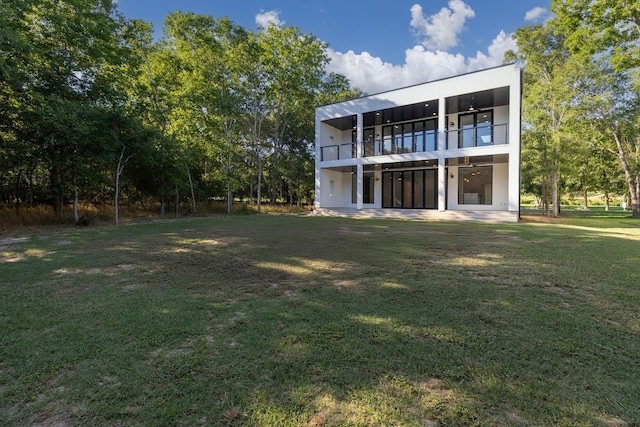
{"x":633,"y":180}
{"x":635,"y":201}
{"x":585,"y":199}
{"x":18,"y":177}
{"x":251,"y":192}
{"x":229,"y":193}
{"x":120,"y":167}
{"x":259,"y":183}
{"x":193,"y":194}
{"x":554,"y":189}
{"x":56,"y":183}
{"x":177,"y":200}
{"x":115,"y":202}
{"x":76,"y":218}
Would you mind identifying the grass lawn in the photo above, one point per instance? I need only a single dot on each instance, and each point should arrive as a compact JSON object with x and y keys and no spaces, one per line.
{"x":306,"y":321}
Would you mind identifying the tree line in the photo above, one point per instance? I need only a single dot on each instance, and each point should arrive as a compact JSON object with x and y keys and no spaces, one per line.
{"x":581,"y":127}
{"x":93,"y":108}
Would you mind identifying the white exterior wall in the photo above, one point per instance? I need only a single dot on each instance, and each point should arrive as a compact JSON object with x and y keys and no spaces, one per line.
{"x":446,"y":88}
{"x":506,"y":176}
{"x":331,"y":183}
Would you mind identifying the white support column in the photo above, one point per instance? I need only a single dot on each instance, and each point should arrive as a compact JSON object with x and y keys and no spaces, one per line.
{"x":359,"y":182}
{"x":442,"y":184}
{"x":442,"y":146}
{"x":359,"y":153}
{"x":442,"y":124}
{"x":318,"y":137}
{"x":515,"y":92}
{"x":359,"y":130}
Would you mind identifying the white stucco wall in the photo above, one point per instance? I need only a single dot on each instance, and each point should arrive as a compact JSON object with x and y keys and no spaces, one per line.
{"x":506,"y":176}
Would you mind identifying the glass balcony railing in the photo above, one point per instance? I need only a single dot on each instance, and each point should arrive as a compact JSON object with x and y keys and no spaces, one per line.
{"x":477,"y":136}
{"x":338,"y":152}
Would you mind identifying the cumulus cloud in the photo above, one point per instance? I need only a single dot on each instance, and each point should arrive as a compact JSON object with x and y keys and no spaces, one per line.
{"x":441,"y":30}
{"x":373,"y":75}
{"x":271,"y":17}
{"x":536,"y":14}
{"x":495,"y":52}
{"x":427,"y":61}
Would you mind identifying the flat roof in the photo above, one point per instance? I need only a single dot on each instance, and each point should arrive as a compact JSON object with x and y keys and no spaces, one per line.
{"x":510,"y":64}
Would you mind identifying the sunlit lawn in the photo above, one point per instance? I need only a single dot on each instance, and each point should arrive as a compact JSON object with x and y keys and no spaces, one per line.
{"x":306,"y":321}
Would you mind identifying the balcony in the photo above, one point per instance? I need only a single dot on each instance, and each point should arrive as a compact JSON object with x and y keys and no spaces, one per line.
{"x":338,"y":152}
{"x":469,"y":137}
{"x":389,"y":146}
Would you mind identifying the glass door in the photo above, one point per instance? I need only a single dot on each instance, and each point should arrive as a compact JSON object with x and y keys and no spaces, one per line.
{"x":484,"y":128}
{"x":466,"y":131}
{"x":476,"y":129}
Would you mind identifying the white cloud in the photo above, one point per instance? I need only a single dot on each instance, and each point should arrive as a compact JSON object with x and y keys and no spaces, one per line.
{"x":536,"y":14}
{"x":441,"y":30}
{"x":499,"y":46}
{"x":373,"y":75}
{"x":271,"y":17}
{"x":426,"y":62}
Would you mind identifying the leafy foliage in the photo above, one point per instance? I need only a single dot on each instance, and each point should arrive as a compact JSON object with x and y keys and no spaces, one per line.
{"x":208,"y":111}
{"x":581,"y":100}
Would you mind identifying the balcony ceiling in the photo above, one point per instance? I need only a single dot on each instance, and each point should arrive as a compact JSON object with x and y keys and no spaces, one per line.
{"x":426,"y":109}
{"x":478,"y":160}
{"x":343,"y":123}
{"x":478,"y":100}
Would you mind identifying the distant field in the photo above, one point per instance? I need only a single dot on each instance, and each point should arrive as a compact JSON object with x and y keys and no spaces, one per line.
{"x":265,"y":320}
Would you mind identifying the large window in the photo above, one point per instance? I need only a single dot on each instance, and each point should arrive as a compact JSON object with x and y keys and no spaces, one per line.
{"x":475,"y":185}
{"x":414,"y":189}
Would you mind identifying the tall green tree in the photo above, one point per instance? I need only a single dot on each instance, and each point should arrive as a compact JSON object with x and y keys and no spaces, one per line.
{"x":295,"y":66}
{"x":611,"y":27}
{"x":206,"y":113}
{"x":548,"y":109}
{"x":604,"y":38}
{"x":56,"y":53}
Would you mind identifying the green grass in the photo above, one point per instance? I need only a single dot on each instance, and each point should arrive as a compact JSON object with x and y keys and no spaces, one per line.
{"x":306,"y":321}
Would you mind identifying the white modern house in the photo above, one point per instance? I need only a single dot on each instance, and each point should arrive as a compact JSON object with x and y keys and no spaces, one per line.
{"x":447,"y":149}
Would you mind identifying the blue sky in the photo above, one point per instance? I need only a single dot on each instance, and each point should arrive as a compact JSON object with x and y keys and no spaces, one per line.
{"x":379,"y":45}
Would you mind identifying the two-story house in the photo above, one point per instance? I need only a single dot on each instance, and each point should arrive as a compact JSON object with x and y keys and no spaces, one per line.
{"x":446,"y":149}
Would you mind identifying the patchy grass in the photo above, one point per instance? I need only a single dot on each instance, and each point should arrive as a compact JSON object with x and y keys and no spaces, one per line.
{"x":305,"y":321}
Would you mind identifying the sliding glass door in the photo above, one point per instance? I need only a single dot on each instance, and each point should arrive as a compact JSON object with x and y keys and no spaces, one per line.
{"x":412,"y":189}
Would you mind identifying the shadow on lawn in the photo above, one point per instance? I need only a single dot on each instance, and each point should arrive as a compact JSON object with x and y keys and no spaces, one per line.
{"x":388,"y":325}
{"x":335,"y":322}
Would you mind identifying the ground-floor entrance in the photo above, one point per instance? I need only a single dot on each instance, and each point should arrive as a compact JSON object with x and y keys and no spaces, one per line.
{"x":410,"y":189}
